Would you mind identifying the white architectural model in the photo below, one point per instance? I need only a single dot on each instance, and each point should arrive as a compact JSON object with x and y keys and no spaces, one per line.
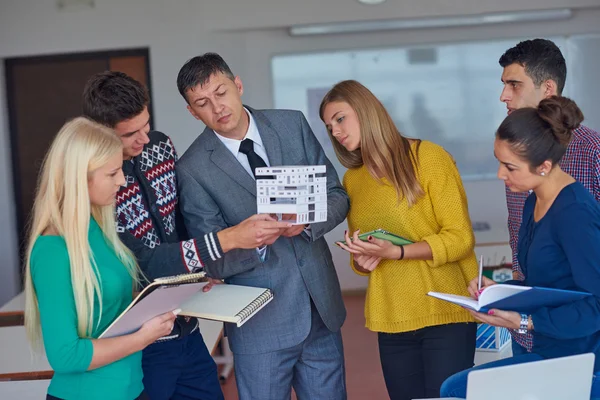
{"x":300,"y":190}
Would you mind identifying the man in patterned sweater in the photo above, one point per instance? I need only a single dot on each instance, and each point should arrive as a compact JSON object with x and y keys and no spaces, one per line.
{"x":149,"y":223}
{"x":535,"y":70}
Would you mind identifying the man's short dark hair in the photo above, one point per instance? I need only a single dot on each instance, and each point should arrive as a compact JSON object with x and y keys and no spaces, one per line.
{"x":541,"y":59}
{"x":111,"y":97}
{"x":198,"y":70}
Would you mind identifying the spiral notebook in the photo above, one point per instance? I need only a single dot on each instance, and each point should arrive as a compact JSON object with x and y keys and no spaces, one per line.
{"x":228,"y":303}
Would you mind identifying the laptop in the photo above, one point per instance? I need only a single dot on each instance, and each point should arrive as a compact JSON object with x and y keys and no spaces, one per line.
{"x":565,"y":378}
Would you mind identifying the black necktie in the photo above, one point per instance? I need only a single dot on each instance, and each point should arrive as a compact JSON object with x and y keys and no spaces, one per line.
{"x":247,"y":147}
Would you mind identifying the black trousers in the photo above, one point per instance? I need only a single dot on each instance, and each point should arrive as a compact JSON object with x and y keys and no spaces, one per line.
{"x":142,"y":396}
{"x":416,"y":363}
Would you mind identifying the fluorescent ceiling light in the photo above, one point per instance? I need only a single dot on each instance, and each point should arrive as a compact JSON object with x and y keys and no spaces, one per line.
{"x":421,"y":23}
{"x":371,"y":2}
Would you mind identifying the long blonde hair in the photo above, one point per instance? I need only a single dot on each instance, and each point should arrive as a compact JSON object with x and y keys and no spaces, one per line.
{"x":383,"y":150}
{"x":62,"y":204}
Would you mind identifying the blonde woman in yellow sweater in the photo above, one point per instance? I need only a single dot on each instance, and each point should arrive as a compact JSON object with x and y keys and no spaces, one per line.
{"x":411,"y":188}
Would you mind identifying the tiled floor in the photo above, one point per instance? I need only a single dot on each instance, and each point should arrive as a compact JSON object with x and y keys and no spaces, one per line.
{"x":363,"y":371}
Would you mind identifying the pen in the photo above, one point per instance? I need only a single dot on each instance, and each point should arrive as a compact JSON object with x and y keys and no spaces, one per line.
{"x":480,"y":273}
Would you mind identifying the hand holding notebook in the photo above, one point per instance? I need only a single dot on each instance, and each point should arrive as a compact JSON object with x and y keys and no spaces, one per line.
{"x":227,"y":303}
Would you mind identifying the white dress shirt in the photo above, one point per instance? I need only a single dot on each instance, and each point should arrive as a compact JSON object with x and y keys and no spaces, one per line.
{"x":234,"y":145}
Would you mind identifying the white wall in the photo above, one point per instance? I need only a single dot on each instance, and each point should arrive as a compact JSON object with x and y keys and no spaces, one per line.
{"x":177,"y":30}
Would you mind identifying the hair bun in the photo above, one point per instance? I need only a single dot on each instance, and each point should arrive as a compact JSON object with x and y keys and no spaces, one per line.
{"x":563,"y":115}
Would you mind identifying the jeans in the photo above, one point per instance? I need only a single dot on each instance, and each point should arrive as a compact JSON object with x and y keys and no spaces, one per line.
{"x":180,"y":369}
{"x":456,"y":385}
{"x":416,"y":363}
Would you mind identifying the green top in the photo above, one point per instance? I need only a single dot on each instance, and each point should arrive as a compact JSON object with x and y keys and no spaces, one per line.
{"x":68,"y":354}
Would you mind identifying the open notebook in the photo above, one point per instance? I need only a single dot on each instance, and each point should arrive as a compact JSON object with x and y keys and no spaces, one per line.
{"x":513,"y":298}
{"x":227,"y":303}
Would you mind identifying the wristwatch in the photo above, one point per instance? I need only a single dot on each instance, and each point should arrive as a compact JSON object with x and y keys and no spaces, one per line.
{"x":524,"y":323}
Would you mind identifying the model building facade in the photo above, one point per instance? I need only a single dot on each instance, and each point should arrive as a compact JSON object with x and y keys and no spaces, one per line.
{"x":300,"y":190}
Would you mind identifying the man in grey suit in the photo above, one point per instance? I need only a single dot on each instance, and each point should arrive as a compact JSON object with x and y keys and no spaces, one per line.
{"x":295,"y":341}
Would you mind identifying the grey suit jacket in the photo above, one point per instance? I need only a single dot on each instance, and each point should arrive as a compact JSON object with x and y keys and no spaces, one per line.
{"x":216,"y":192}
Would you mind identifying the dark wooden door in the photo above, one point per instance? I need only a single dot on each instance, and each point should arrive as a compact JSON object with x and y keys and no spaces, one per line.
{"x":44,"y":93}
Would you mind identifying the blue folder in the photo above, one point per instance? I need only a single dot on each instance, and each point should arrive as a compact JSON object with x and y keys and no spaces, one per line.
{"x":535,"y":298}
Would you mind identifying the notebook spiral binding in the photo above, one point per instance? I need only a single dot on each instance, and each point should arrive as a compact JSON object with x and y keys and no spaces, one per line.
{"x":184,"y":278}
{"x":254,"y":306}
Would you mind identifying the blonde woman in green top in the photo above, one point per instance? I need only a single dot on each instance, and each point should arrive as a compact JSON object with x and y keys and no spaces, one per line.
{"x":79,"y":277}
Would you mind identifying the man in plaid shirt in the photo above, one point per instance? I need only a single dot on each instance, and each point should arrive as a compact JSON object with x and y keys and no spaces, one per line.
{"x":535,"y":70}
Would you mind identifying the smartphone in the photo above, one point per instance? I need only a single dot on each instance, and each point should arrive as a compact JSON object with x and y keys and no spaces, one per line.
{"x":385,"y":235}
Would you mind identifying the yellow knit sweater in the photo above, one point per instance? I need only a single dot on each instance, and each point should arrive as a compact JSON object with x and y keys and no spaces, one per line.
{"x":397,"y":298}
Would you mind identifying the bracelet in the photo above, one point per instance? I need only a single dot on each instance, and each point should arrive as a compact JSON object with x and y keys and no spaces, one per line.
{"x":401,"y":252}
{"x":524,"y":324}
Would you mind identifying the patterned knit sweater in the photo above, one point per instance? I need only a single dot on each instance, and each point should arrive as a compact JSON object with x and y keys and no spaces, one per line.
{"x":149,"y":221}
{"x":397,"y":298}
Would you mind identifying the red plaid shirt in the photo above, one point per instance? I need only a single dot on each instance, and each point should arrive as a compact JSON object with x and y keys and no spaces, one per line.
{"x":582,"y":162}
